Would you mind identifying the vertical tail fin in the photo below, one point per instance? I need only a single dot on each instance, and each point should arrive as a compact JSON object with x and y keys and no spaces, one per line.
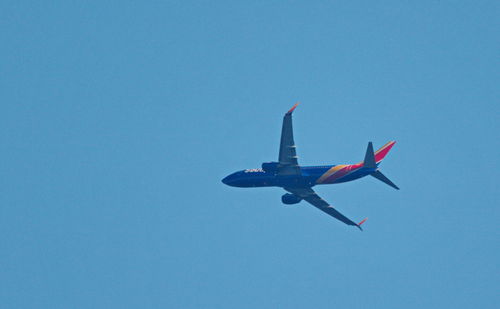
{"x":372,"y":159}
{"x":383,"y":151}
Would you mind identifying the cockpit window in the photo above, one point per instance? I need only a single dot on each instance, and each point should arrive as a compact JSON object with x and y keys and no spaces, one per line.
{"x":254,"y":170}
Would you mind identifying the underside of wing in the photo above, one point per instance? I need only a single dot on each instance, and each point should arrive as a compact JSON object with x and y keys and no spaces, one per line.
{"x":314,"y":199}
{"x":288,"y":164}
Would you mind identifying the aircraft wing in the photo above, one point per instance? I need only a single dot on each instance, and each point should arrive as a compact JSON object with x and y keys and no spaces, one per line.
{"x":311,"y":197}
{"x":288,"y":164}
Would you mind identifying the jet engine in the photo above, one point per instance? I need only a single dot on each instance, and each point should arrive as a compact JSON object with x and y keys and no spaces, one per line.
{"x":270,"y":167}
{"x":290,"y":199}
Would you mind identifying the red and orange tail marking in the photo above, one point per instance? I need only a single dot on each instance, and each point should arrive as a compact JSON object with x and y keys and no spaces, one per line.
{"x":383,"y":151}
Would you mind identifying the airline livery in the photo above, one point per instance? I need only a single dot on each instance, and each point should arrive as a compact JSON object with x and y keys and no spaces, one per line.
{"x":299,"y":180}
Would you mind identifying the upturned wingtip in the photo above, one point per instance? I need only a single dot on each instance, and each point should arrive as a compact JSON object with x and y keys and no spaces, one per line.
{"x":360,"y":223}
{"x":293,"y":108}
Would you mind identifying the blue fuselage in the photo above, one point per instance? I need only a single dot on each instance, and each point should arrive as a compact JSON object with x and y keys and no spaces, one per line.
{"x":311,"y":176}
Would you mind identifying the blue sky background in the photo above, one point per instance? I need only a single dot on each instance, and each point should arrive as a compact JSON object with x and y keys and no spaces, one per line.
{"x":118,"y":119}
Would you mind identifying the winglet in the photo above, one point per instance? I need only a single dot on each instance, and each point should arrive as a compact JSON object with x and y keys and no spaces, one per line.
{"x":292,"y":109}
{"x":360,"y":223}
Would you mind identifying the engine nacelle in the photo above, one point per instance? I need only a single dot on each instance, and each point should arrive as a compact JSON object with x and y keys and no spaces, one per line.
{"x":290,"y":199}
{"x":270,"y":167}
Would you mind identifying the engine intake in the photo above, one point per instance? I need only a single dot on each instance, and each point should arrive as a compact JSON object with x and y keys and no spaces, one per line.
{"x":270,"y":167}
{"x":290,"y":199}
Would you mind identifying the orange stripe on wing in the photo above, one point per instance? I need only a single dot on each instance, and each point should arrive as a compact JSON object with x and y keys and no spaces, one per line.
{"x":330,"y":172}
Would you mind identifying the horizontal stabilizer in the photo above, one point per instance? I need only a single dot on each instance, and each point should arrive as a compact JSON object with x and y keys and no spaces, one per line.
{"x":369,"y":161}
{"x":381,"y":177}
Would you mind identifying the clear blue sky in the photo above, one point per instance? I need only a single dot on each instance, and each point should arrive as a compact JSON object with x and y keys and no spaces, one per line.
{"x":118,"y":119}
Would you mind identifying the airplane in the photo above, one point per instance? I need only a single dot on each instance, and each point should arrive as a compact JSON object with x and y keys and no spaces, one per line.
{"x":299,"y":180}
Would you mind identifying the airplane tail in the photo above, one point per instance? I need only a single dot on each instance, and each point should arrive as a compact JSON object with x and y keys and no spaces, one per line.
{"x":372,"y":159}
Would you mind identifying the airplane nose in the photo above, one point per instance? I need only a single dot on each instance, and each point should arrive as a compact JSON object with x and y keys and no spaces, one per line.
{"x":225,"y":180}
